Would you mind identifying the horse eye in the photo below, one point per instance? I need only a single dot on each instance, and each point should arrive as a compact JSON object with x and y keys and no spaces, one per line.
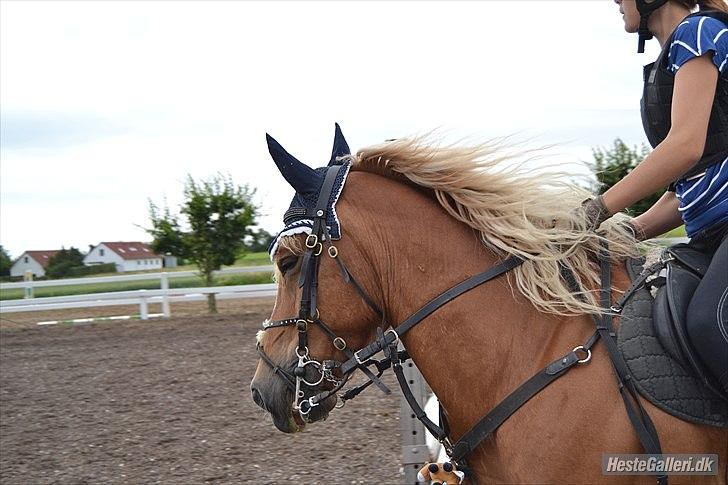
{"x":287,"y":263}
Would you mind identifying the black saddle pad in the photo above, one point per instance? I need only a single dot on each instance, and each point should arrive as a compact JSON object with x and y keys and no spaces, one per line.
{"x":657,"y":375}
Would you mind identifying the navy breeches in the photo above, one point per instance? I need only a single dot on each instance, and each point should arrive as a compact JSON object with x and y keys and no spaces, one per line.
{"x":707,"y":318}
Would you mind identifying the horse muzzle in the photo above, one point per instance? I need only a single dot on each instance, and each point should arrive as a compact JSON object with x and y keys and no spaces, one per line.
{"x":274,"y":397}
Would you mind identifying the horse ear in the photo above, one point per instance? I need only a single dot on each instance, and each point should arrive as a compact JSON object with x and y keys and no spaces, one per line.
{"x":300,"y":176}
{"x":341,"y":148}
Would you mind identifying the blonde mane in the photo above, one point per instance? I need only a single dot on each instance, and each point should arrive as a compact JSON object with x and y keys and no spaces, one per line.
{"x":517,"y":211}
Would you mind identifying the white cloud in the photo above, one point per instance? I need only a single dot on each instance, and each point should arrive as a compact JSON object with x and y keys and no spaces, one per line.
{"x":191,"y":87}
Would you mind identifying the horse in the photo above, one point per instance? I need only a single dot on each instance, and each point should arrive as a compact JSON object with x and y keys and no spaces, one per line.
{"x":415,"y":218}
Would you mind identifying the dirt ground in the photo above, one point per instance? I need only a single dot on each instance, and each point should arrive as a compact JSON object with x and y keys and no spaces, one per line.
{"x":167,"y":401}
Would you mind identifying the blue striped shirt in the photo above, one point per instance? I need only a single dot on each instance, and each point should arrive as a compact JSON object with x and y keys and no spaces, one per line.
{"x":704,"y":197}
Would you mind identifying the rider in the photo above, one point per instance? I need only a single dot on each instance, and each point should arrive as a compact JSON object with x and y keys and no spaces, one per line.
{"x":685,"y":116}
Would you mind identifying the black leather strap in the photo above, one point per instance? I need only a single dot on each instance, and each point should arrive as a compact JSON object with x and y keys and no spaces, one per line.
{"x":641,"y":421}
{"x":636,"y":285}
{"x":349,"y":278}
{"x":417,"y":410}
{"x":288,"y":379}
{"x":457,"y":290}
{"x":498,"y":415}
{"x":430,"y":307}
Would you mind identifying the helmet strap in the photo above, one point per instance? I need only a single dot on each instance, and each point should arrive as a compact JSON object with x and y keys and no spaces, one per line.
{"x":644,"y":34}
{"x":645,"y":9}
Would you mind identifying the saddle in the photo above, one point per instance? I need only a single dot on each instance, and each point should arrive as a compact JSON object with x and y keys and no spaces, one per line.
{"x":684,"y":268}
{"x":654,"y":343}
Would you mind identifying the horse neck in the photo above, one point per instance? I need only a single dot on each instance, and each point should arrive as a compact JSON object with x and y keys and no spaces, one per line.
{"x":476,"y":349}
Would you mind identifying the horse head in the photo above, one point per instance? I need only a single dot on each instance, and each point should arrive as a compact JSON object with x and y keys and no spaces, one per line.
{"x":317,"y":319}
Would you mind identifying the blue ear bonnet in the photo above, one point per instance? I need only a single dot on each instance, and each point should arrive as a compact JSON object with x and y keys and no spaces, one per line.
{"x":307,"y":182}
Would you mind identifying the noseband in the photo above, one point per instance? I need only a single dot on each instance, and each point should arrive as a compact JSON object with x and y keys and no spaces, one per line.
{"x":362,"y":359}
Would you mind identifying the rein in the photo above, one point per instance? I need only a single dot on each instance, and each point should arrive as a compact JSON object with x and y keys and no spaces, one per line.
{"x":387,"y":342}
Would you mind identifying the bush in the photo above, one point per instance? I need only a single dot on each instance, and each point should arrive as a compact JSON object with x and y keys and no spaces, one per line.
{"x":5,"y":262}
{"x":613,"y":164}
{"x":69,"y":263}
{"x":94,"y":269}
{"x":63,"y":262}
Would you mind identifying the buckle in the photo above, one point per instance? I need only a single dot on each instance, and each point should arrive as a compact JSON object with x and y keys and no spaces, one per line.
{"x":447,"y":444}
{"x":396,"y":336}
{"x":357,"y":358}
{"x":311,"y":241}
{"x":381,"y":343}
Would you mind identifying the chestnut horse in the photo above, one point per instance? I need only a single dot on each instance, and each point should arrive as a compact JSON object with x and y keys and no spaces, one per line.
{"x":406,"y":241}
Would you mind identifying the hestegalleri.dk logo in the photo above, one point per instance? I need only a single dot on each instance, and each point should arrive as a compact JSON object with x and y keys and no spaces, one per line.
{"x":670,"y":464}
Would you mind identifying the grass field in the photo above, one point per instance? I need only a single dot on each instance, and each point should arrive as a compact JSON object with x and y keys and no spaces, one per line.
{"x":253,"y":259}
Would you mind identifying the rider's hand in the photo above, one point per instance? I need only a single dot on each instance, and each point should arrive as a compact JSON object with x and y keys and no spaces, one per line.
{"x":595,"y":211}
{"x":639,"y":233}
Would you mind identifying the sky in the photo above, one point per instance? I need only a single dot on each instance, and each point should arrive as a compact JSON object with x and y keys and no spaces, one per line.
{"x":107,"y":105}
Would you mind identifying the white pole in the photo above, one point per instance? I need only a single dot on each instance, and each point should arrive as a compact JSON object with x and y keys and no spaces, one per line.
{"x":414,"y":442}
{"x":28,"y":278}
{"x":143,"y":307}
{"x":165,"y":298}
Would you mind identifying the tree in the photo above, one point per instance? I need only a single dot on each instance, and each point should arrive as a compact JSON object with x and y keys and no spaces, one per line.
{"x":258,"y":240}
{"x":612,"y":164}
{"x":5,"y":262}
{"x":218,"y":214}
{"x":64,"y":262}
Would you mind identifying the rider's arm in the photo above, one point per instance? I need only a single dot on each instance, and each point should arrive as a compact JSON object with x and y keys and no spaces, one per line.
{"x":660,"y":218}
{"x":692,"y":101}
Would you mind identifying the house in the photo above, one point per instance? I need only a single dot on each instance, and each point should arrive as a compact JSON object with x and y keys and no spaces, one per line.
{"x":128,"y":256}
{"x":34,"y":261}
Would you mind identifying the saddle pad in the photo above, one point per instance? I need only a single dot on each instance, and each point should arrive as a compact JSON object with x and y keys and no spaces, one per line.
{"x":657,"y":376}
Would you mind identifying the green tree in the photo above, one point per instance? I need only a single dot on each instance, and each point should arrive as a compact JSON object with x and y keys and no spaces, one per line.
{"x":168,"y":237}
{"x":218,"y":214}
{"x":612,"y":164}
{"x":64,"y":262}
{"x":5,"y":262}
{"x":258,"y":240}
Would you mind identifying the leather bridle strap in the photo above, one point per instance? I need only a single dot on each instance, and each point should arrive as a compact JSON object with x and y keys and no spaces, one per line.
{"x":288,"y":379}
{"x":643,"y":425}
{"x":308,"y":279}
{"x":393,"y":335}
{"x":349,"y":278}
{"x":487,"y":425}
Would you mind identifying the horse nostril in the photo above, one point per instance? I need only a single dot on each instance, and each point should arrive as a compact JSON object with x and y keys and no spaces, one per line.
{"x":257,"y":397}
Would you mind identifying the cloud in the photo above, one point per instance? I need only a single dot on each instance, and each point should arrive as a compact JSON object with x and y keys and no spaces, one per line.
{"x":51,"y":130}
{"x":106,"y":104}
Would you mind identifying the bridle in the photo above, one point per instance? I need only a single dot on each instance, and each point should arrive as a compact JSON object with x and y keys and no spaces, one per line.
{"x":308,"y":313}
{"x":387,"y":342}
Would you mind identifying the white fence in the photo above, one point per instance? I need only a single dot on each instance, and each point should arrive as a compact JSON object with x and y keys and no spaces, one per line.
{"x":137,"y":297}
{"x":143,"y":298}
{"x":132,"y":277}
